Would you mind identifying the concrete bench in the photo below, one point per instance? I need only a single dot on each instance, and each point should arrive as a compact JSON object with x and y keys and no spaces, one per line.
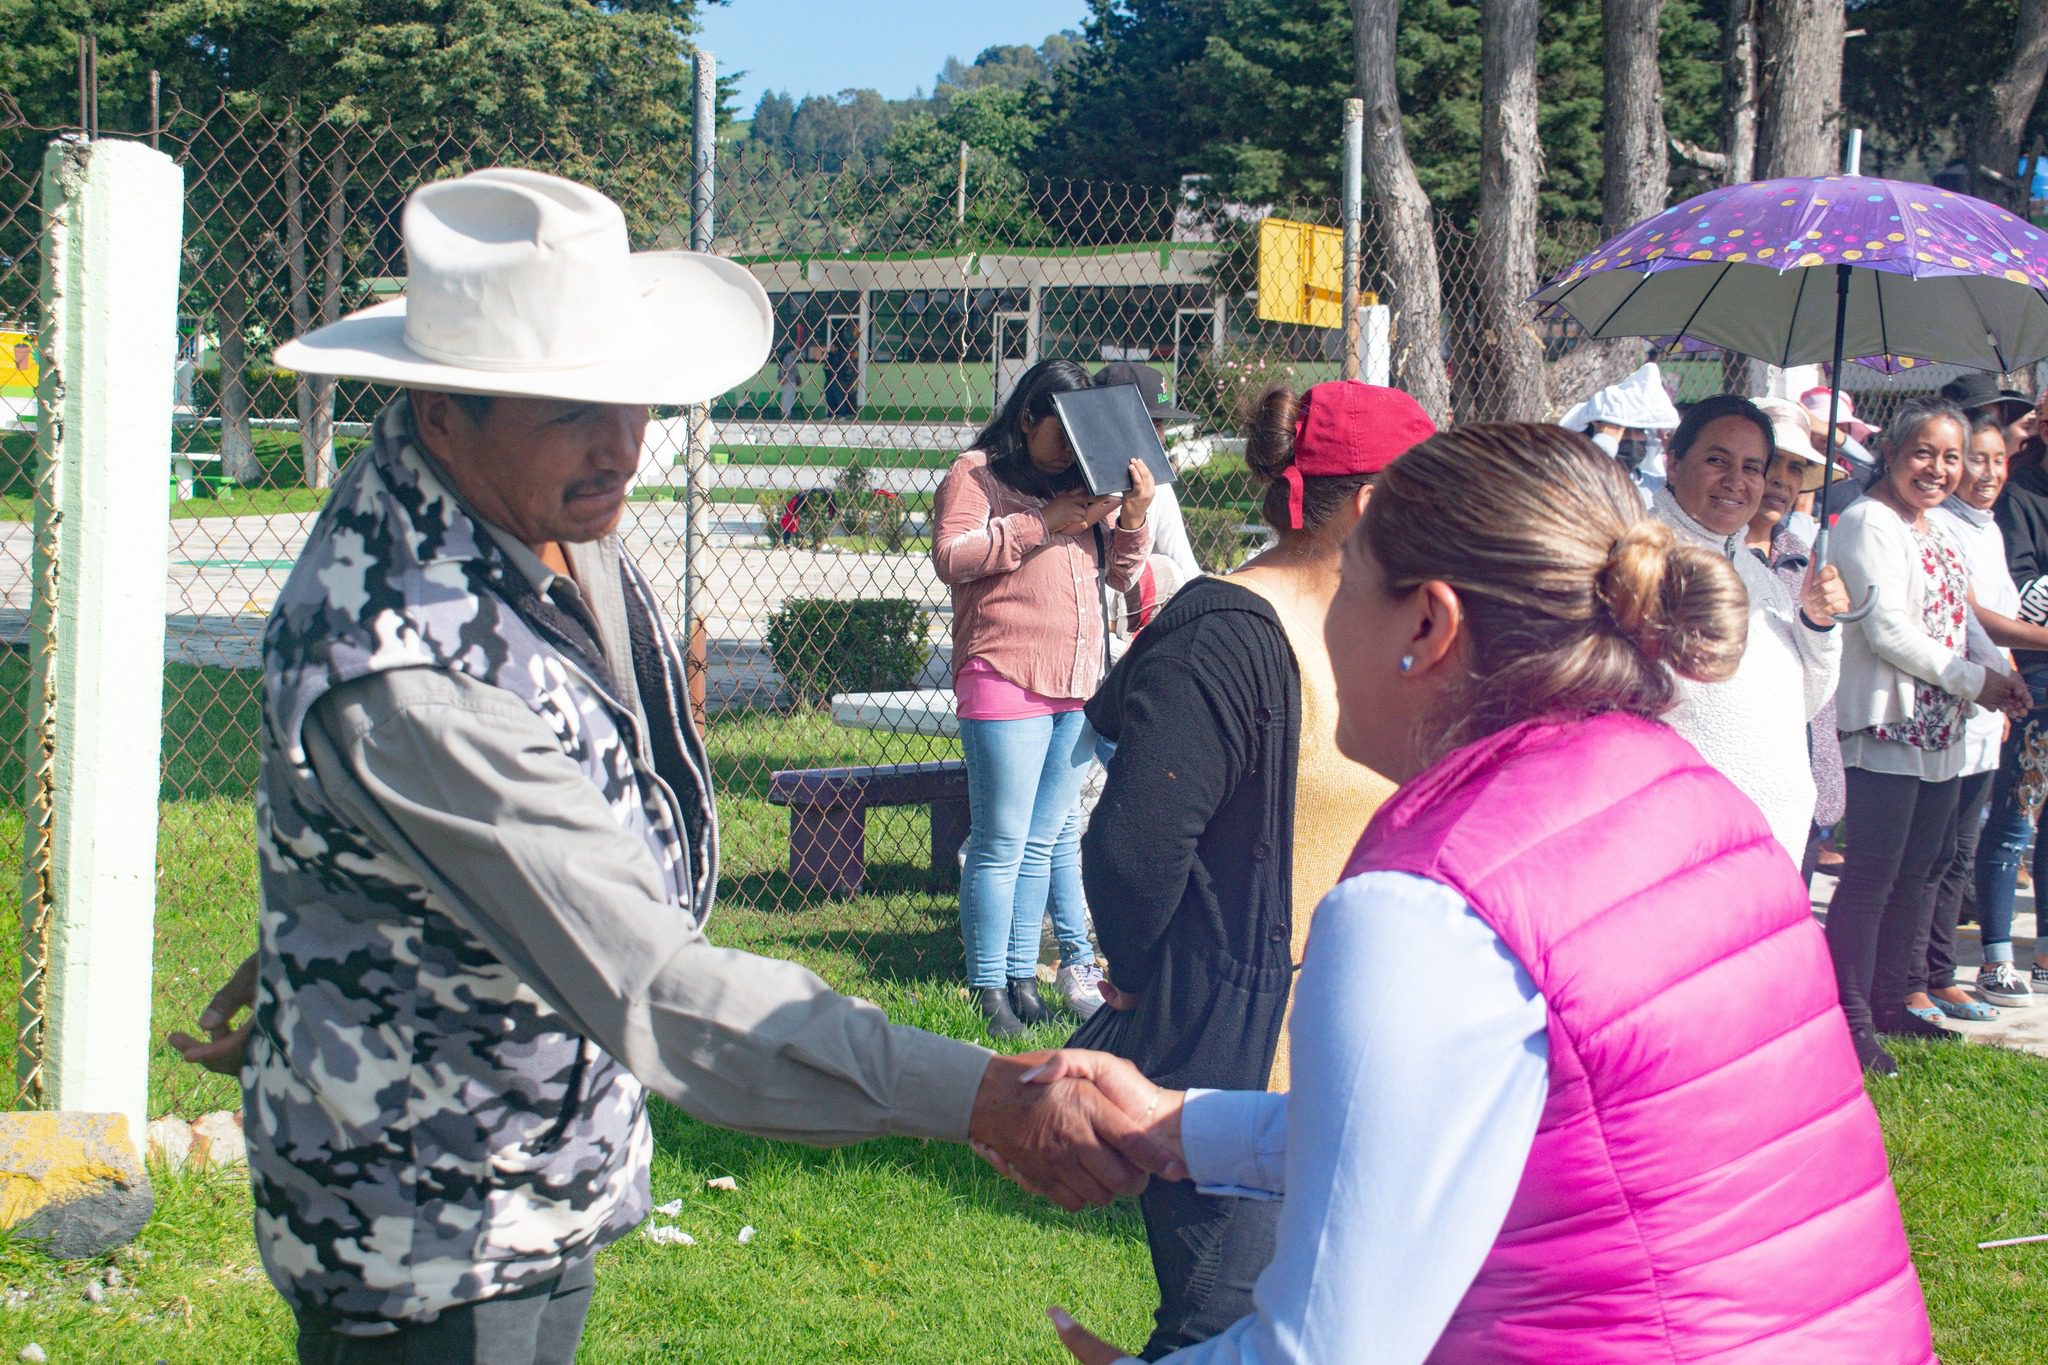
{"x":195,"y":472}
{"x":828,"y":817}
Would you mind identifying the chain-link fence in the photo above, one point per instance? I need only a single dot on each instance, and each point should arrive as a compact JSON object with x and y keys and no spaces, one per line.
{"x":906,"y":309}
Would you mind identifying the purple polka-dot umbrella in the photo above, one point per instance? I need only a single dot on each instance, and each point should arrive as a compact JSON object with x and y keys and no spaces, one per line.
{"x":1795,"y":271}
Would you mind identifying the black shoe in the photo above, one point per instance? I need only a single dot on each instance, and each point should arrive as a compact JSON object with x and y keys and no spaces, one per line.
{"x":1905,"y":1025}
{"x":1024,"y":1001}
{"x":994,"y":1003}
{"x":1875,"y":1060}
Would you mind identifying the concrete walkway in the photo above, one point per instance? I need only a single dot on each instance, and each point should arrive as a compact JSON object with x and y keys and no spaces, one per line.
{"x":2026,"y":1029}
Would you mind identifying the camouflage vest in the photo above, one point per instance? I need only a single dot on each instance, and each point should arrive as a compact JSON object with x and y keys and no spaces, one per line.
{"x":424,"y":1131}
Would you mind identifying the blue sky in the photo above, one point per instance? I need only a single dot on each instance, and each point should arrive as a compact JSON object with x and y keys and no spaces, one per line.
{"x":820,"y":47}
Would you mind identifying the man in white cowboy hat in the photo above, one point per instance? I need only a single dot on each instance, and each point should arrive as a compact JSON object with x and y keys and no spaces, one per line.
{"x":487,"y":836}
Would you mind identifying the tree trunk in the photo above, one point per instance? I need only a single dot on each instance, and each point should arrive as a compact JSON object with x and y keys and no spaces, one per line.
{"x":1507,"y":352}
{"x":316,"y":430}
{"x":2002,"y":122}
{"x":1799,"y":87}
{"x":237,"y":445}
{"x":1635,"y":167}
{"x":1402,"y":210}
{"x":1738,"y":92}
{"x":1636,"y":178}
{"x":299,"y":288}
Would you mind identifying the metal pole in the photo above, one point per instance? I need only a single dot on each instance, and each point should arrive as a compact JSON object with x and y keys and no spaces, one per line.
{"x":84,"y":100}
{"x":960,"y":190}
{"x":1852,"y":160}
{"x":1354,"y":194}
{"x":697,"y":453}
{"x":156,"y":107}
{"x":1827,"y":476}
{"x":92,"y":52}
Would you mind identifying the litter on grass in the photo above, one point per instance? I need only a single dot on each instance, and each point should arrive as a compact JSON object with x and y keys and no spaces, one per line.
{"x":670,"y":1209}
{"x":746,"y":1234}
{"x":721,"y":1182}
{"x":670,"y":1237}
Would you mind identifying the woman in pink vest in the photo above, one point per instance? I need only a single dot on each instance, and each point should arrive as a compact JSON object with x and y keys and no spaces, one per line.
{"x":1615,"y":1149}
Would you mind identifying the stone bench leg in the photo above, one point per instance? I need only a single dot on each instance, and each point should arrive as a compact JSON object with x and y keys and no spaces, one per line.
{"x":949,"y":833}
{"x":828,"y":847}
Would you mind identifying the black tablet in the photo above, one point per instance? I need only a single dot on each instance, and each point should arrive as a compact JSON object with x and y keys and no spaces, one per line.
{"x":1108,"y":427}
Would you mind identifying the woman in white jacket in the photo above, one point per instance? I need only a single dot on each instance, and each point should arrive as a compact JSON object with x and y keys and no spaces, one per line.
{"x":1752,"y":726}
{"x":1909,"y":673}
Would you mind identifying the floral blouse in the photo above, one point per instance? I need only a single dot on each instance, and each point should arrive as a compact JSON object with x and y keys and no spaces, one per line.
{"x":1938,"y":716}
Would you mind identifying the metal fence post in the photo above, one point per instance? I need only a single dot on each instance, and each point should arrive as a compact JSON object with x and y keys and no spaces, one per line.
{"x":111,"y":245}
{"x":697,"y":449}
{"x":1354,"y":195}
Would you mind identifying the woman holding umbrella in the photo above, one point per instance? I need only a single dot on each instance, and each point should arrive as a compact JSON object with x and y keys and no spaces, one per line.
{"x":1747,"y":725}
{"x":1908,"y":678}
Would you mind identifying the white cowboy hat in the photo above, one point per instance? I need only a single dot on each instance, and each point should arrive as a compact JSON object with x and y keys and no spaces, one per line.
{"x":1638,"y":401}
{"x":523,"y":283}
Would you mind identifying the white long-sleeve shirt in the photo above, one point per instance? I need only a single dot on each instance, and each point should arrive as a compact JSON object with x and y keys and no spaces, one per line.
{"x":1401,"y":1145}
{"x":1752,"y":727}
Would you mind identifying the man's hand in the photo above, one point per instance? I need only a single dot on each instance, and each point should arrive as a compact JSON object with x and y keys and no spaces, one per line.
{"x":1060,"y":1136}
{"x":1156,"y":1109}
{"x":1081,"y":1343}
{"x":223,"y":1052}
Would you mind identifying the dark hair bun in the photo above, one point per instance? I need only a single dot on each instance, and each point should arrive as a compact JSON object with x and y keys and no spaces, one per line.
{"x":1268,"y":424}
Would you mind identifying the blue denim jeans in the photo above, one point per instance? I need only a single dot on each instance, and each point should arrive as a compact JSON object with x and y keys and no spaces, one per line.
{"x":2005,"y":839}
{"x":1024,"y":844}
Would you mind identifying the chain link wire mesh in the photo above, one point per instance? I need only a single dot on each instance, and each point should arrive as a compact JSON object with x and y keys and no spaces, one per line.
{"x":787,"y":529}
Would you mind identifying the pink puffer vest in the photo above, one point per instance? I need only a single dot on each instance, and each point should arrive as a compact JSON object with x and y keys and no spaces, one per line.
{"x":1708,"y":1182}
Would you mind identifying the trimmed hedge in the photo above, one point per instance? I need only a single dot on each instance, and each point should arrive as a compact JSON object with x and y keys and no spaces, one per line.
{"x":825,"y":645}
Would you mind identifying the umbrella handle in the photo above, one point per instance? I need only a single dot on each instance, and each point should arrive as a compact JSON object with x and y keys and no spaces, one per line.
{"x":1861,"y":609}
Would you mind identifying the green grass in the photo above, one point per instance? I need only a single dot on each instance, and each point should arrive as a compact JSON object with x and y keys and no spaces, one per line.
{"x":898,"y":1250}
{"x":833,"y":457}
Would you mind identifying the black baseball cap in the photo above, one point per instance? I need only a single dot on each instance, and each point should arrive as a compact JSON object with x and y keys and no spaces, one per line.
{"x":1151,"y":387}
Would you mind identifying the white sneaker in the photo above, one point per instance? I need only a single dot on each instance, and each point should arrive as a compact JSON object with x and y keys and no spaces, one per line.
{"x":1081,"y":987}
{"x":2001,"y":984}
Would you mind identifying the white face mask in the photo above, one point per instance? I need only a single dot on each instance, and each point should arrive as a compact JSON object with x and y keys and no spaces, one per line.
{"x":1608,"y":442}
{"x":1653,"y":454}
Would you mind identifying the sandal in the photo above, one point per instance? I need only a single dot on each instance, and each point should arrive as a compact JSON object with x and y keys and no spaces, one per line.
{"x":1970,"y":1011}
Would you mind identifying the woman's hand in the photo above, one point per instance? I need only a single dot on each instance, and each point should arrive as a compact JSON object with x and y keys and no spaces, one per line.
{"x":1121,"y":1001}
{"x":1138,"y":501}
{"x":1081,"y":1343}
{"x":1069,"y":514}
{"x":1822,"y":595}
{"x":2003,"y":692}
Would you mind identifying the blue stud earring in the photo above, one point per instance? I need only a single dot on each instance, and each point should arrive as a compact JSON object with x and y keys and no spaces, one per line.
{"x":1407,"y":662}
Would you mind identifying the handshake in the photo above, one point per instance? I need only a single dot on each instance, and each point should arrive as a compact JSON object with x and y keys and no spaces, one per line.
{"x":1079,"y":1128}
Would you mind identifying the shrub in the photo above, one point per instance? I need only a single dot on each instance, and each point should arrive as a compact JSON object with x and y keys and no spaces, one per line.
{"x":892,"y":524}
{"x":1216,"y":384}
{"x":854,"y":494}
{"x":1217,"y":537}
{"x":823,"y":645}
{"x":816,"y":516}
{"x":768,"y":507}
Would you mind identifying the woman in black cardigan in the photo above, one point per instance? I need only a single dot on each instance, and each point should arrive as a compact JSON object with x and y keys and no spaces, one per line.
{"x":1223,"y":716}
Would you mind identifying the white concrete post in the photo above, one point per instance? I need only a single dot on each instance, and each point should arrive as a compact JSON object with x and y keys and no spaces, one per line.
{"x":113,"y":213}
{"x":1376,"y":343}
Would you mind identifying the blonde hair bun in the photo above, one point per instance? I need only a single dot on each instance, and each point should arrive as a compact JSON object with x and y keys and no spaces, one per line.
{"x":1671,"y":601}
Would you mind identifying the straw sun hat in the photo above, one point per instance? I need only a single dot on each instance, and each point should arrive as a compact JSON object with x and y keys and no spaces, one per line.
{"x":522,"y":283}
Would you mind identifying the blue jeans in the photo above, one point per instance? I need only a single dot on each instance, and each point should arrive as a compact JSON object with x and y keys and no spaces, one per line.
{"x":1024,"y":843}
{"x":2005,"y":839}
